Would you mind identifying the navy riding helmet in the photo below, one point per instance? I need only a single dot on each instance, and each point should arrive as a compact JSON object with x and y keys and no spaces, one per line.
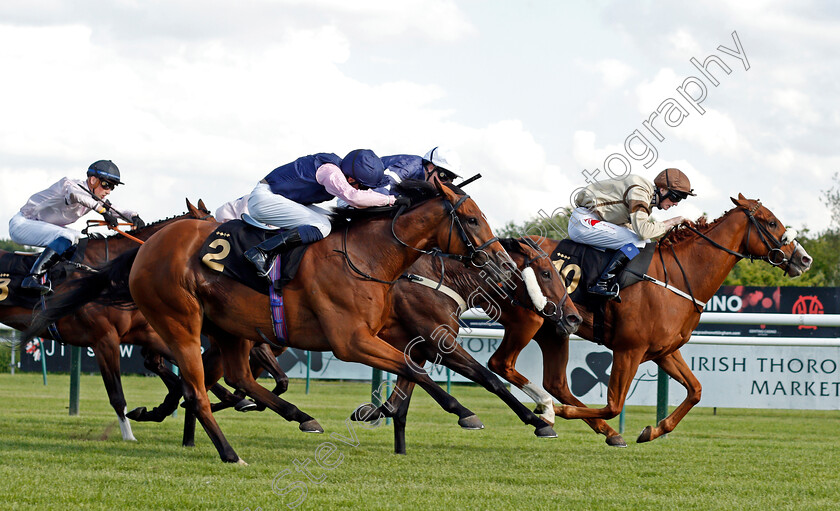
{"x":105,"y":170}
{"x":365,"y":167}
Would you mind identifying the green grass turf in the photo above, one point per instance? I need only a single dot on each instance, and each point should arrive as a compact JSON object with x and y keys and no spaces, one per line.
{"x":737,"y":459}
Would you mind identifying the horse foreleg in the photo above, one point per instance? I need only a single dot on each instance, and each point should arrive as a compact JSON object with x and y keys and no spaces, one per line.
{"x":107,"y":352}
{"x":503,"y":363}
{"x":675,"y":366}
{"x":625,"y":365}
{"x":238,"y":375}
{"x":464,"y":364}
{"x":555,"y":351}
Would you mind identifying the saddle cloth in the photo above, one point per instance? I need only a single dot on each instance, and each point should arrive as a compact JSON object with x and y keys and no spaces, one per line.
{"x":15,"y":267}
{"x":223,"y":251}
{"x":581,"y":265}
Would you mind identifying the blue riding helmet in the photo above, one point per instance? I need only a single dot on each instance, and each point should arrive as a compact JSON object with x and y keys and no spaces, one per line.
{"x":365,"y":167}
{"x":106,"y":171}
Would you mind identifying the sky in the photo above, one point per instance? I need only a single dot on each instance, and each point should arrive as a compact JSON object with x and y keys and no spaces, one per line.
{"x":201,"y":99}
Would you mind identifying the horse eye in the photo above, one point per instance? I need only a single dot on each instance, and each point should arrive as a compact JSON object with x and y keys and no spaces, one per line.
{"x":772,"y":224}
{"x":546,"y":274}
{"x":472,"y":221}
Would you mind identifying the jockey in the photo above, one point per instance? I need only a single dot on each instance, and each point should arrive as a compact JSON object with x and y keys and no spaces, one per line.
{"x":286,"y":198}
{"x":42,"y":221}
{"x":615,"y":214}
{"x":444,"y":163}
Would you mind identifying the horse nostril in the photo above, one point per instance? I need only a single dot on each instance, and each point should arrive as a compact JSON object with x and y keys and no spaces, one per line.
{"x":806,"y":261}
{"x":574,"y":320}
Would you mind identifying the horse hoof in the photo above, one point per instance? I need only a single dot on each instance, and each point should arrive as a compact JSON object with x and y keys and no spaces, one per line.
{"x":365,"y":413}
{"x":245,"y":405}
{"x":241,"y":462}
{"x":645,"y":436}
{"x":311,"y":426}
{"x":136,"y":413}
{"x":471,"y":422}
{"x":616,"y":441}
{"x":545,"y":432}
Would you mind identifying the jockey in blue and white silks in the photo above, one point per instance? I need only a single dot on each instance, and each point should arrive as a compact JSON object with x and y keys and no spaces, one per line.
{"x":286,"y":197}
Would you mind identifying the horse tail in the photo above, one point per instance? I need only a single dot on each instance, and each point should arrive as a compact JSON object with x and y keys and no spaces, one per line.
{"x":106,"y":286}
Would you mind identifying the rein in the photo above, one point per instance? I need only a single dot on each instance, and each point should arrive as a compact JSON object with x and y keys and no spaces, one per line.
{"x":764,"y":235}
{"x":435,"y":252}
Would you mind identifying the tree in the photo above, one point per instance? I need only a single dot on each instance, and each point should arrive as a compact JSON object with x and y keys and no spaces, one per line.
{"x":10,"y":246}
{"x":552,"y":226}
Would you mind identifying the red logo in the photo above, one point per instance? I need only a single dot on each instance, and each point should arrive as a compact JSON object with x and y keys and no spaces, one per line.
{"x":808,"y":305}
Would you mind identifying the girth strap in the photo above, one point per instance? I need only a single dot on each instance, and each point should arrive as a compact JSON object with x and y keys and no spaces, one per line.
{"x":438,"y":286}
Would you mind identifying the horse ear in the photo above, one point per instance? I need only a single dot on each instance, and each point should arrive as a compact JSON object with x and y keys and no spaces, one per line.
{"x":740,"y":201}
{"x":192,"y":209}
{"x":201,"y":205}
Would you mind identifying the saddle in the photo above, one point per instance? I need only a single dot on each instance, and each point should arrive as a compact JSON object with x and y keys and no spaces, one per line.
{"x":14,"y":267}
{"x":580,"y":265}
{"x":223,"y":251}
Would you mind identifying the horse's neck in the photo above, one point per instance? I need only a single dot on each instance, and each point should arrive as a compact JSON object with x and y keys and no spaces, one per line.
{"x":705,"y":265}
{"x":388,"y":258}
{"x":101,"y":249}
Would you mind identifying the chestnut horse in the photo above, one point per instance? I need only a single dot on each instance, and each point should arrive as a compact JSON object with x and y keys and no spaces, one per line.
{"x":423,"y":323}
{"x":103,"y":328}
{"x":338,"y":301}
{"x":652,"y":322}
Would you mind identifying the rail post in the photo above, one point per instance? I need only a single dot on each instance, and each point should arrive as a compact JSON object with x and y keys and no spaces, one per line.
{"x":661,"y":395}
{"x":75,"y":377}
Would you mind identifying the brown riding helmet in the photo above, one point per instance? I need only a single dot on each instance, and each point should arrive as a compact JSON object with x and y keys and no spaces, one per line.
{"x":674,"y":179}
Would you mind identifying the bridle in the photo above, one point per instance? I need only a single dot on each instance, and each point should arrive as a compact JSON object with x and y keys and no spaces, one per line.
{"x":771,"y":243}
{"x":454,"y":225}
{"x":549,"y":304}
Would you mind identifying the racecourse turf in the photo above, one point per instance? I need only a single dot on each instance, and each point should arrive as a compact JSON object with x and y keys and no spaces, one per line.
{"x":736,"y":459}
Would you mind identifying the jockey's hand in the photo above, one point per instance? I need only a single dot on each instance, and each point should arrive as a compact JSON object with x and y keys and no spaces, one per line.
{"x":138,"y":222}
{"x":671,"y":222}
{"x":110,"y":219}
{"x":402,"y":201}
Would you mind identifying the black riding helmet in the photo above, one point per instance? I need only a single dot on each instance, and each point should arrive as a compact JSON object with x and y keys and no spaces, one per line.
{"x":105,"y":170}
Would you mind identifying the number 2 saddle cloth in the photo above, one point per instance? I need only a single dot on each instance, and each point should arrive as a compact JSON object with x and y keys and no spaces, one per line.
{"x":223,"y":251}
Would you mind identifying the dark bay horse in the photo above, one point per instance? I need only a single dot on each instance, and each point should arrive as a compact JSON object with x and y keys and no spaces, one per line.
{"x":652,"y":322}
{"x":103,"y":328}
{"x":424,"y":322}
{"x":338,"y":301}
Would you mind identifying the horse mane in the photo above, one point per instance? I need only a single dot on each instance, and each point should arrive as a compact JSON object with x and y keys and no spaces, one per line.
{"x":512,"y":245}
{"x":156,"y":222}
{"x":681,"y":233}
{"x":417,"y":191}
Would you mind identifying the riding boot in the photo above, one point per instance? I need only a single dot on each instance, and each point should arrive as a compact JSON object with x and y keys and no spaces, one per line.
{"x":261,"y":255}
{"x":45,"y":261}
{"x":603,"y":287}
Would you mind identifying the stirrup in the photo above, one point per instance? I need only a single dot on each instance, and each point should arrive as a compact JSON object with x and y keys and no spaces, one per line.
{"x":39,"y":282}
{"x":602,"y":290}
{"x":259,"y":259}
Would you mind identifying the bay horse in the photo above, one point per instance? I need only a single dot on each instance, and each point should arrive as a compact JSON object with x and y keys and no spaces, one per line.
{"x":103,"y":328}
{"x":338,"y":300}
{"x":652,"y":322}
{"x":423,"y":323}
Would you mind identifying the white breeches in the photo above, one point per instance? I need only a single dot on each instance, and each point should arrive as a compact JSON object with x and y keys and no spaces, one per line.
{"x":588,"y":228}
{"x":271,"y":208}
{"x":37,"y":233}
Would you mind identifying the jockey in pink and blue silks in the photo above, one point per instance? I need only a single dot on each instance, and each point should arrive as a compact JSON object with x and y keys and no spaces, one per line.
{"x":43,"y":220}
{"x":286,"y":198}
{"x":615,"y":214}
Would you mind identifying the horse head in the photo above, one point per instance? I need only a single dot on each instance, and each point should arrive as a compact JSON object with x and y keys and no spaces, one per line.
{"x":767,"y":238}
{"x":468,"y":234}
{"x":544,"y":287}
